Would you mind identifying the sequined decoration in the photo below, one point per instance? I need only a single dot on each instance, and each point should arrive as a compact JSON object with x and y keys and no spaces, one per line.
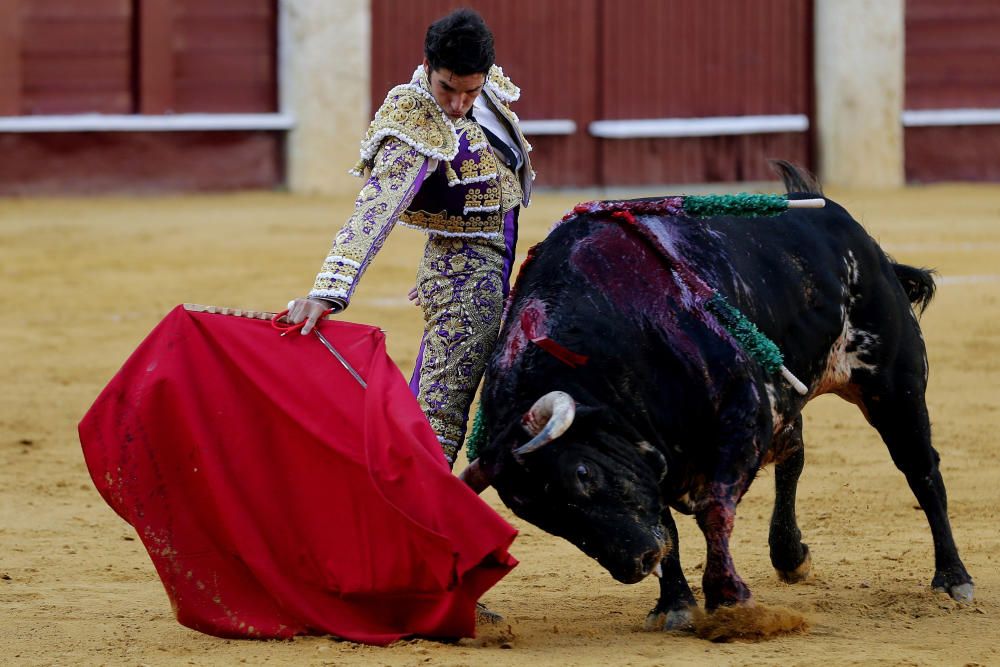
{"x":396,"y":174}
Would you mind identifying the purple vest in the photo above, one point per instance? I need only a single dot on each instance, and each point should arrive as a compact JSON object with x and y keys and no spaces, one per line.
{"x":461,"y":197}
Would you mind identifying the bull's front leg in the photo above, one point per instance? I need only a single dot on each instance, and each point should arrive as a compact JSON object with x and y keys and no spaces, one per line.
{"x":721,"y":583}
{"x":673,"y":611}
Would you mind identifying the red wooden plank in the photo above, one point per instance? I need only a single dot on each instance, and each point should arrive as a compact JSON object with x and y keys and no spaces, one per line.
{"x":691,"y":58}
{"x":225,"y":56}
{"x":212,"y":33}
{"x":225,"y":8}
{"x":10,"y":58}
{"x":76,"y":57}
{"x":107,"y":72}
{"x":249,"y":98}
{"x":74,"y":9}
{"x":940,"y":37}
{"x":224,"y":67}
{"x":156,"y":58}
{"x":953,"y":96}
{"x":703,"y":58}
{"x":970,"y":153}
{"x":64,"y":101}
{"x":139,"y":162}
{"x":68,"y":36}
{"x":946,"y":11}
{"x":952,"y":54}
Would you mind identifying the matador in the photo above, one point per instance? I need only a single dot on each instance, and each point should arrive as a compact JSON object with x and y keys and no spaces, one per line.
{"x":444,"y":155}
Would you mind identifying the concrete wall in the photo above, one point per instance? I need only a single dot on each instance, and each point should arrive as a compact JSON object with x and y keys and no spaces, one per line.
{"x":859,"y":92}
{"x":325,"y":73}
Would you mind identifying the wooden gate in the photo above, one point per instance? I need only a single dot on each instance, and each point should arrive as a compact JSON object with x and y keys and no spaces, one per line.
{"x":717,"y":86}
{"x":61,"y":59}
{"x":952,"y":118}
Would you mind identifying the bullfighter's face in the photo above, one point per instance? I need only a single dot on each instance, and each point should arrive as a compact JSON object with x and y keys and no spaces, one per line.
{"x":454,"y":94}
{"x":600,"y":492}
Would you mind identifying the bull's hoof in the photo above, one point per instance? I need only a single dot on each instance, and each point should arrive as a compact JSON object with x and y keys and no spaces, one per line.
{"x":963,"y":593}
{"x":671,"y":621}
{"x":956,"y":582}
{"x":801,"y":573}
{"x":486,"y":616}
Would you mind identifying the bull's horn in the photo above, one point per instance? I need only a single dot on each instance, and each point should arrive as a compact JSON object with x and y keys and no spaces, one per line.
{"x":547,"y":419}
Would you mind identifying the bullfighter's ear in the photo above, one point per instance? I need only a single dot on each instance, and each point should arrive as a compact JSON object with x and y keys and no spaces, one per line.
{"x":655,"y":458}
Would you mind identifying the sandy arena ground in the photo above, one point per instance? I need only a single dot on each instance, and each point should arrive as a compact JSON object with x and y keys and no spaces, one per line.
{"x":85,"y":280}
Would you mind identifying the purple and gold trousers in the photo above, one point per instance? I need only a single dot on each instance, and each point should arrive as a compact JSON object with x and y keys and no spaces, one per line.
{"x":463,"y":283}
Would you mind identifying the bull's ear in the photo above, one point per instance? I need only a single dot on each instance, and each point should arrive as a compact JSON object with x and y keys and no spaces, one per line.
{"x":475,"y":476}
{"x":654,"y":458}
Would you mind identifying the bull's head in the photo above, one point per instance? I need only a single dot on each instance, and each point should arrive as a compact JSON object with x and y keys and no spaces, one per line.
{"x":581,"y":477}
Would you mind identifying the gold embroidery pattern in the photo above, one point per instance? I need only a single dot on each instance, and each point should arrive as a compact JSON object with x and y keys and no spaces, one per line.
{"x":410,"y":113}
{"x":460,"y":282}
{"x":502,"y":87}
{"x":502,"y":92}
{"x":484,"y":168}
{"x":389,"y":190}
{"x":510,"y":189}
{"x":485,"y":197}
{"x":469,"y":225}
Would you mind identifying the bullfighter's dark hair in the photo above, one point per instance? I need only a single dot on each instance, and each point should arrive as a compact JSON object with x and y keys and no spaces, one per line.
{"x":461,"y":42}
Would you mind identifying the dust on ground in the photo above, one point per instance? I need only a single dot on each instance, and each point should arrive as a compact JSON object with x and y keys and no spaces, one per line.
{"x":85,"y":279}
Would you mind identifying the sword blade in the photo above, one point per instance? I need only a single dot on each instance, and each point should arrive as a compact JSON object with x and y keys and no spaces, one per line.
{"x":340,"y":358}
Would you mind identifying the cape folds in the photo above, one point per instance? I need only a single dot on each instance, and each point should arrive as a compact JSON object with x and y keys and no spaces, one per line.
{"x":277,"y":497}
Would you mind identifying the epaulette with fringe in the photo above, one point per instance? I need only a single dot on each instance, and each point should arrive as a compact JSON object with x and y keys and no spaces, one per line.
{"x":410,"y":114}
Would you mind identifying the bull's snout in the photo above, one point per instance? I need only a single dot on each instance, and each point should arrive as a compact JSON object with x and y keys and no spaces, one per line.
{"x":649,"y":561}
{"x":637,"y":568}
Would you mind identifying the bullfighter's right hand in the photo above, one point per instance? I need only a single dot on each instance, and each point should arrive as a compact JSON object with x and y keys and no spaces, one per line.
{"x":308,"y":310}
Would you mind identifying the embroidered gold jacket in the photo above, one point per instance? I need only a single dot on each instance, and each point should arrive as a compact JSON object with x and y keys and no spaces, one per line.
{"x":428,"y":172}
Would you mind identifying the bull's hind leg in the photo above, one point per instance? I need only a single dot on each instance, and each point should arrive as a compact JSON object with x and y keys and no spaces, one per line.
{"x":789,"y":555}
{"x":673,"y":609}
{"x":900,"y":416}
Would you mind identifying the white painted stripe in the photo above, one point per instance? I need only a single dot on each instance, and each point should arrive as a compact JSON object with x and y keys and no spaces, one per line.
{"x":944,"y":117}
{"x":698,"y":127}
{"x":549,"y":126}
{"x":968,"y":280}
{"x":957,"y":246}
{"x":96,"y":122}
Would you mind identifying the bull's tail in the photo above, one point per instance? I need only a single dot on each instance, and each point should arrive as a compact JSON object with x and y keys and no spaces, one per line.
{"x":917,"y":283}
{"x":795,"y":178}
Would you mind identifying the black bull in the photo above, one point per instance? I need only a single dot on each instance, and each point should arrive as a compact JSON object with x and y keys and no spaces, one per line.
{"x":671,"y":412}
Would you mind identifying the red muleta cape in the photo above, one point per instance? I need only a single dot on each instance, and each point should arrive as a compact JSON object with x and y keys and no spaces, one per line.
{"x":277,"y":497}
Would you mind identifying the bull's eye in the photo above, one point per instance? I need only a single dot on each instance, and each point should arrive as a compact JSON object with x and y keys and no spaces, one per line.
{"x":583,"y":473}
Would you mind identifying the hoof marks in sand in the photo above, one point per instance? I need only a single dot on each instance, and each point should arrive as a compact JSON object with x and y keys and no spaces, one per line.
{"x":753,"y":622}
